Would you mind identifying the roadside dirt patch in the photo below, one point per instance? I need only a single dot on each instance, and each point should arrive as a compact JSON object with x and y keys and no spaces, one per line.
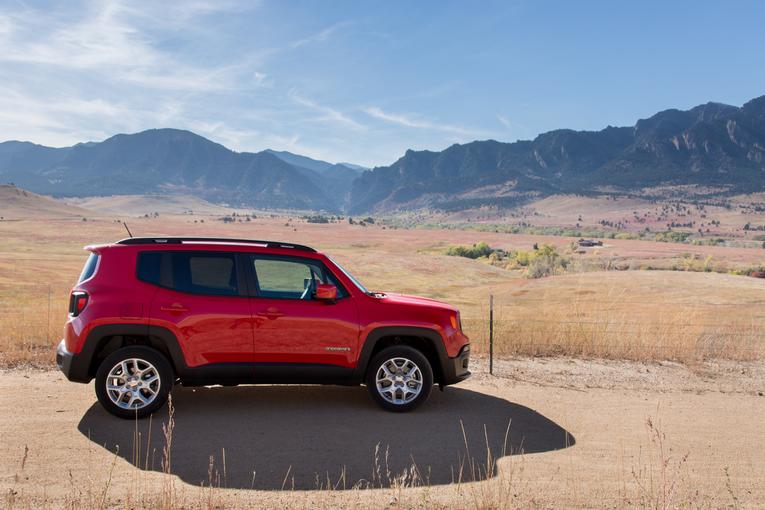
{"x":578,"y":437}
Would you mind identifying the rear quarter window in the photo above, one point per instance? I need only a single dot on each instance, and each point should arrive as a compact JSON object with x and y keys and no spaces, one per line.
{"x":150,"y":267}
{"x":89,"y":269}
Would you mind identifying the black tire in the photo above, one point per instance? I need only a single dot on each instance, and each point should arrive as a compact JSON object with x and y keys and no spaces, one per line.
{"x":147,"y":355}
{"x":399,"y":352}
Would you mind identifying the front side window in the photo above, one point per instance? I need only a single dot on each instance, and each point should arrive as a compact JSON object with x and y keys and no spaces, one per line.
{"x":286,"y":278}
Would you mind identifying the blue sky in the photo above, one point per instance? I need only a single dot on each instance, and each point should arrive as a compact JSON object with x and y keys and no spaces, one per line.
{"x":364,"y":81}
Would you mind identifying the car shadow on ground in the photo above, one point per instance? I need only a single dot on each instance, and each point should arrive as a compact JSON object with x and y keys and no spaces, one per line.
{"x":309,"y":437}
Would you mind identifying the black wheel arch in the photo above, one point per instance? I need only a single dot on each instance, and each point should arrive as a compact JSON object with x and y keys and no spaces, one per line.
{"x":103,"y":340}
{"x":432,"y":346}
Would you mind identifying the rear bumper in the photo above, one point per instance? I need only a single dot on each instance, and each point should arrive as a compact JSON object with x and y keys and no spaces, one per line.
{"x":457,"y":369}
{"x":70,"y":365}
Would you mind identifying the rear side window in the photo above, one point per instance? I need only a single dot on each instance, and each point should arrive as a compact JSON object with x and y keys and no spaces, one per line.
{"x":205,"y":273}
{"x":193,"y":272}
{"x":90,"y":268}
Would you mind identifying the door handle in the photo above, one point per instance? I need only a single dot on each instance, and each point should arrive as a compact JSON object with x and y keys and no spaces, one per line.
{"x":271,"y":313}
{"x":174,"y":308}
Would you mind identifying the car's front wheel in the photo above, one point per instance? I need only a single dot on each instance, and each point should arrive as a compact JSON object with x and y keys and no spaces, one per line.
{"x":134,"y":382}
{"x":399,"y":378}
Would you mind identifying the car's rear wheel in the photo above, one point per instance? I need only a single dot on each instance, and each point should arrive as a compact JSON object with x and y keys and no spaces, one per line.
{"x":134,"y":382}
{"x":399,"y":378}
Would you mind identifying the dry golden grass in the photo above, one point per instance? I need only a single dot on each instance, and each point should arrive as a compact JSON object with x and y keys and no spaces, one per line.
{"x":637,"y":315}
{"x":640,"y":315}
{"x":16,"y":203}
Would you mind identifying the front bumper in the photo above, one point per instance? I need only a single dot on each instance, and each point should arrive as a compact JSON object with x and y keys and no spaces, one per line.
{"x":457,"y":368}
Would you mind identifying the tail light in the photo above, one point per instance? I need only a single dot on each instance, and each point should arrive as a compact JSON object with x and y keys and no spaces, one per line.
{"x":77,"y":303}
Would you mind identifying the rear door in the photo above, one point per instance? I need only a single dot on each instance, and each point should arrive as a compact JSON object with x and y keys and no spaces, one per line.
{"x":202,"y":298}
{"x":296,"y":336}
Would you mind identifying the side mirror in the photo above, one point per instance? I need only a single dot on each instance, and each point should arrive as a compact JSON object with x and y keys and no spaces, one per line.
{"x":326,"y":292}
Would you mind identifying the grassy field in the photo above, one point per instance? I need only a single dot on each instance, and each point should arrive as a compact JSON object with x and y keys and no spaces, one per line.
{"x":634,"y":314}
{"x":702,"y":217}
{"x":588,"y":427}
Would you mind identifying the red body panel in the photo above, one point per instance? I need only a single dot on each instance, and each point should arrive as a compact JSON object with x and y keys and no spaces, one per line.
{"x":115,"y":296}
{"x":241,"y":329}
{"x":295,"y":331}
{"x":209,"y":329}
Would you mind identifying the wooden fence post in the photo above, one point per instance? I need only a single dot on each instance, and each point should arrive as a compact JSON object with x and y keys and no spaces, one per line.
{"x":491,"y":334}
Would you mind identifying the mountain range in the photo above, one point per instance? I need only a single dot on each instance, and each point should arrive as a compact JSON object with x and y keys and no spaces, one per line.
{"x":714,"y":145}
{"x":717,"y":147}
{"x":177,"y":161}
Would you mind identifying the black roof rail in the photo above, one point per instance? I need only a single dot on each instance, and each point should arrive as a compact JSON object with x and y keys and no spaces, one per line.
{"x":181,"y":240}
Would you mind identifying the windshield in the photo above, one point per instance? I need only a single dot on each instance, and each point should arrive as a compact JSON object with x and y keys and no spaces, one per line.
{"x":350,"y":276}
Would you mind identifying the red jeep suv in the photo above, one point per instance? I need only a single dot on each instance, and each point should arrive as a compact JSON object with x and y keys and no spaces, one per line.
{"x":148,"y":313}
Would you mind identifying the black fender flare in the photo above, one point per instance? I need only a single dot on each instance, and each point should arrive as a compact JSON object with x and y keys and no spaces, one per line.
{"x":84,"y":364}
{"x":374,"y":336}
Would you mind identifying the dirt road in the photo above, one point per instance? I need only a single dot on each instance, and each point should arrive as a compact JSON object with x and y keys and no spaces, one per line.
{"x":578,"y":436}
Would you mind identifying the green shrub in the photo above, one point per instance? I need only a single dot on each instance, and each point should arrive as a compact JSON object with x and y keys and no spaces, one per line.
{"x":522,"y":258}
{"x":472,"y":252}
{"x":671,"y":236}
{"x":546,"y":261}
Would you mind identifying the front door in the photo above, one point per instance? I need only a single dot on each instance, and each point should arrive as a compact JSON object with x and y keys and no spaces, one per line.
{"x":296,"y":336}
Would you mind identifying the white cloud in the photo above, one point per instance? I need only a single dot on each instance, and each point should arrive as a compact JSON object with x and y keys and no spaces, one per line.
{"x":503,"y":120}
{"x":417,"y":122}
{"x":86,"y":70}
{"x":259,"y":78}
{"x":328,"y":114}
{"x":320,"y":36}
{"x":107,"y":42}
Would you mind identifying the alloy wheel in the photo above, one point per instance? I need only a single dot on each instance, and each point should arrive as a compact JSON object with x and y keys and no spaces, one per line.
{"x":399,"y":381}
{"x":133,"y":383}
